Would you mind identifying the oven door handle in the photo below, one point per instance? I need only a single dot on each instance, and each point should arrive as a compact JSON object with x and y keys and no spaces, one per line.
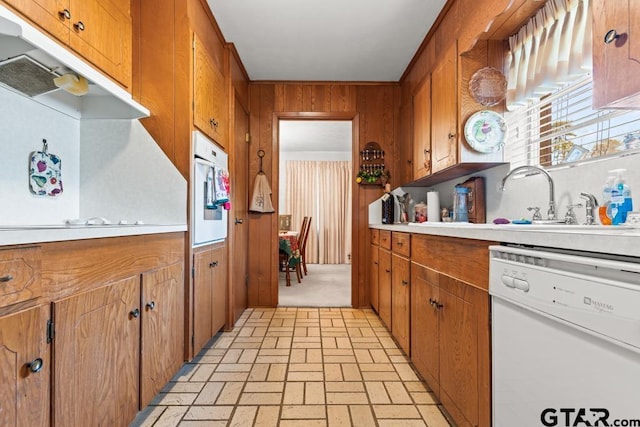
{"x":199,"y":161}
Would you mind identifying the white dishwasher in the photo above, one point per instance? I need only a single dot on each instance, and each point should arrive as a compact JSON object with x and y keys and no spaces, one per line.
{"x":565,"y":338}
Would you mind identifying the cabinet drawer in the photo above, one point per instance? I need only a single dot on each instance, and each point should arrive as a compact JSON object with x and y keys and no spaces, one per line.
{"x":19,"y":275}
{"x":401,"y":244}
{"x":375,"y":236}
{"x":385,"y":239}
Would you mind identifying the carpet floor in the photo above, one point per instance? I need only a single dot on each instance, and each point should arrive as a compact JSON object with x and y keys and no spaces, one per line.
{"x":325,"y":285}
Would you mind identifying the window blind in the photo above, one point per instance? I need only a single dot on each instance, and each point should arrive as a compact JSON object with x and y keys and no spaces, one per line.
{"x":562,"y":128}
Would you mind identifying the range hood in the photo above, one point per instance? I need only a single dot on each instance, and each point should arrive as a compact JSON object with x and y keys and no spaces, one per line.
{"x":31,"y":60}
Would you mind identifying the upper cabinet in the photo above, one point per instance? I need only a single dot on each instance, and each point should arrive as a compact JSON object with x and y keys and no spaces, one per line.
{"x":98,"y":30}
{"x":616,"y":58}
{"x":444,"y":121}
{"x":210,"y":108}
{"x":422,"y":130}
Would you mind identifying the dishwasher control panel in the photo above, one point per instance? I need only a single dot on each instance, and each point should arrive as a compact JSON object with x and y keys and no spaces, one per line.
{"x":601,"y":296}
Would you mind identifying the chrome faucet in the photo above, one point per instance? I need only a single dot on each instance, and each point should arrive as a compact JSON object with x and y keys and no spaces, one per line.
{"x":535,"y":170}
{"x":591,"y":205}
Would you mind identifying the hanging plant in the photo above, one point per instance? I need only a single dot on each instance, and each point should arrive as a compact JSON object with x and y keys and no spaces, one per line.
{"x":373,"y":177}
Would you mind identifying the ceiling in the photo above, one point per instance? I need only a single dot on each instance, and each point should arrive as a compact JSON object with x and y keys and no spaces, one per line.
{"x":326,"y":40}
{"x":315,"y":135}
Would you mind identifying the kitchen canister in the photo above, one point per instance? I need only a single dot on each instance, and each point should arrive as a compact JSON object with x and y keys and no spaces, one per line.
{"x":433,"y":206}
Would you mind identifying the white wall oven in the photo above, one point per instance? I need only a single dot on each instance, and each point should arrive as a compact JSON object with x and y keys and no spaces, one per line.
{"x":210,"y":198}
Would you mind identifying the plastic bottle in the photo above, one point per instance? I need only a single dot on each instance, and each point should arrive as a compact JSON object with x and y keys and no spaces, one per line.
{"x":621,"y":202}
{"x":604,"y":210}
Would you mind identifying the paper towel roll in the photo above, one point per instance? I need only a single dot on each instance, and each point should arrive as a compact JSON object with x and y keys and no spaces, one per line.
{"x":433,"y":206}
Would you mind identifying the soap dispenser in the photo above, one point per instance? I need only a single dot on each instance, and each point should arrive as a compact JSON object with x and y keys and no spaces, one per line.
{"x":621,"y":202}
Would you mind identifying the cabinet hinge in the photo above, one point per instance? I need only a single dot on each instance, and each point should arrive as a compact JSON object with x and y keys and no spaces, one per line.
{"x":51,"y":332}
{"x":193,"y":341}
{"x":247,"y":137}
{"x":193,"y":272}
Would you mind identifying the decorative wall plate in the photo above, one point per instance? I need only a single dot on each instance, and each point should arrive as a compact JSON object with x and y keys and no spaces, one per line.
{"x":488,"y":86}
{"x":485,"y":131}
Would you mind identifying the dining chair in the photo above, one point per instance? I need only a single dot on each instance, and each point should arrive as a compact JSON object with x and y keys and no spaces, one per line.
{"x":302,"y":243}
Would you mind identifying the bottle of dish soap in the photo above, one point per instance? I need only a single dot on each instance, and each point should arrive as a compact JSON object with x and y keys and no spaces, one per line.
{"x":621,"y":202}
{"x":604,"y":210}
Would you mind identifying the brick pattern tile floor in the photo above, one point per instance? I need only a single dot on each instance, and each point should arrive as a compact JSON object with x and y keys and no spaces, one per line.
{"x":297,"y":367}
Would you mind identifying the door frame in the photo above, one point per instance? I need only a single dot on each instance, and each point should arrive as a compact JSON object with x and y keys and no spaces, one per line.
{"x":354,"y":118}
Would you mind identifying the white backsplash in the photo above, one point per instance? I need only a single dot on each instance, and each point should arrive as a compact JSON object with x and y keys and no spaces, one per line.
{"x":126,"y":176}
{"x":532,"y":191}
{"x":24,"y":124}
{"x":110,"y":168}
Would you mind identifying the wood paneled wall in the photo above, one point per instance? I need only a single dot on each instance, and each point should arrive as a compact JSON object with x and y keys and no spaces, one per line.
{"x":373,"y":109}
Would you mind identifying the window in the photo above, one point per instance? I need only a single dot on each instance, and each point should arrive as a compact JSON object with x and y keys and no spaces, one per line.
{"x":562,"y":128}
{"x":549,"y":93}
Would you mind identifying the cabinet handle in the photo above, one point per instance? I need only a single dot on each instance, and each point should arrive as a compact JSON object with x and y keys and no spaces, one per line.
{"x":65,"y":14}
{"x":452,"y":135}
{"x":611,"y":36}
{"x":135,"y":313}
{"x":375,"y":262}
{"x":79,"y":26}
{"x":35,"y":365}
{"x":213,"y":264}
{"x":399,"y":243}
{"x":151,"y":305}
{"x":405,"y":283}
{"x":387,"y":270}
{"x":239,"y":221}
{"x":6,"y":278}
{"x":213,"y":123}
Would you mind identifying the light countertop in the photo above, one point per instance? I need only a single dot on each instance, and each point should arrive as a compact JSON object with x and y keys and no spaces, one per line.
{"x":617,"y":240}
{"x":16,"y":235}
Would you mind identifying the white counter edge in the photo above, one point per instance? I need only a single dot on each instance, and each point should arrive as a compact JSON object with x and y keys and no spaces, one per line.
{"x":36,"y":235}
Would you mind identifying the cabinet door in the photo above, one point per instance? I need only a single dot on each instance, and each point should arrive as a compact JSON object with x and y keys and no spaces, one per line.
{"x":219,"y":292}
{"x":97,"y":353}
{"x":425,"y":328}
{"x":444,"y":114}
{"x":162,"y":329}
{"x":384,"y":287}
{"x":24,"y":395}
{"x":616,"y":65}
{"x":375,"y":250}
{"x":405,"y":143}
{"x":210,"y":110}
{"x":464,"y":351}
{"x":400,"y":301}
{"x":202,"y":300}
{"x":102,"y":33}
{"x":422,"y":130}
{"x":47,"y":14}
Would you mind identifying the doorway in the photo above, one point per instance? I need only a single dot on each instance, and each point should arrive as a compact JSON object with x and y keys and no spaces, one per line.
{"x":315,"y":174}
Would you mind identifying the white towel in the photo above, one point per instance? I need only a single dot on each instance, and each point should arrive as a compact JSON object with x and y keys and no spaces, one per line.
{"x":261,"y":200}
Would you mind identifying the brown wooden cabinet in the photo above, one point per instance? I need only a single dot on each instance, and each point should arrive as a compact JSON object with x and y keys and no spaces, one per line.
{"x":450,"y":324}
{"x":444,"y":114}
{"x":24,"y":394}
{"x":162,"y":307}
{"x":20,"y":276}
{"x":400,"y":300}
{"x":616,"y":65}
{"x":374,"y":278}
{"x":422,"y":130}
{"x":209,"y":293}
{"x":210,"y":109}
{"x":97,"y":355}
{"x":98,"y":30}
{"x":384,"y":286}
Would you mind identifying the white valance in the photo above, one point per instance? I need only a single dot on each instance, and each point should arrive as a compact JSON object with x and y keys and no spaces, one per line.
{"x":552,"y":49}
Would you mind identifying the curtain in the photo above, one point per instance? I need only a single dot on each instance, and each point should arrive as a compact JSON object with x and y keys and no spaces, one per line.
{"x":322,"y":190}
{"x":551,"y":50}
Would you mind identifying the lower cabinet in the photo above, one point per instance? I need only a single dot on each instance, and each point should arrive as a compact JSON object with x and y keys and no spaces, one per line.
{"x":450,"y":343}
{"x":374,"y":279}
{"x":400,"y":300}
{"x":209,"y":293}
{"x":97,"y":356}
{"x":25,"y":368}
{"x":384,"y":287}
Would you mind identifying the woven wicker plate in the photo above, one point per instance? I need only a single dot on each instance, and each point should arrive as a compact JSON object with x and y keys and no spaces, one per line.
{"x":488,"y":86}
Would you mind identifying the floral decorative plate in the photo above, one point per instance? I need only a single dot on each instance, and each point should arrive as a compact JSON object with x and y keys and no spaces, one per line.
{"x":485,"y":131}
